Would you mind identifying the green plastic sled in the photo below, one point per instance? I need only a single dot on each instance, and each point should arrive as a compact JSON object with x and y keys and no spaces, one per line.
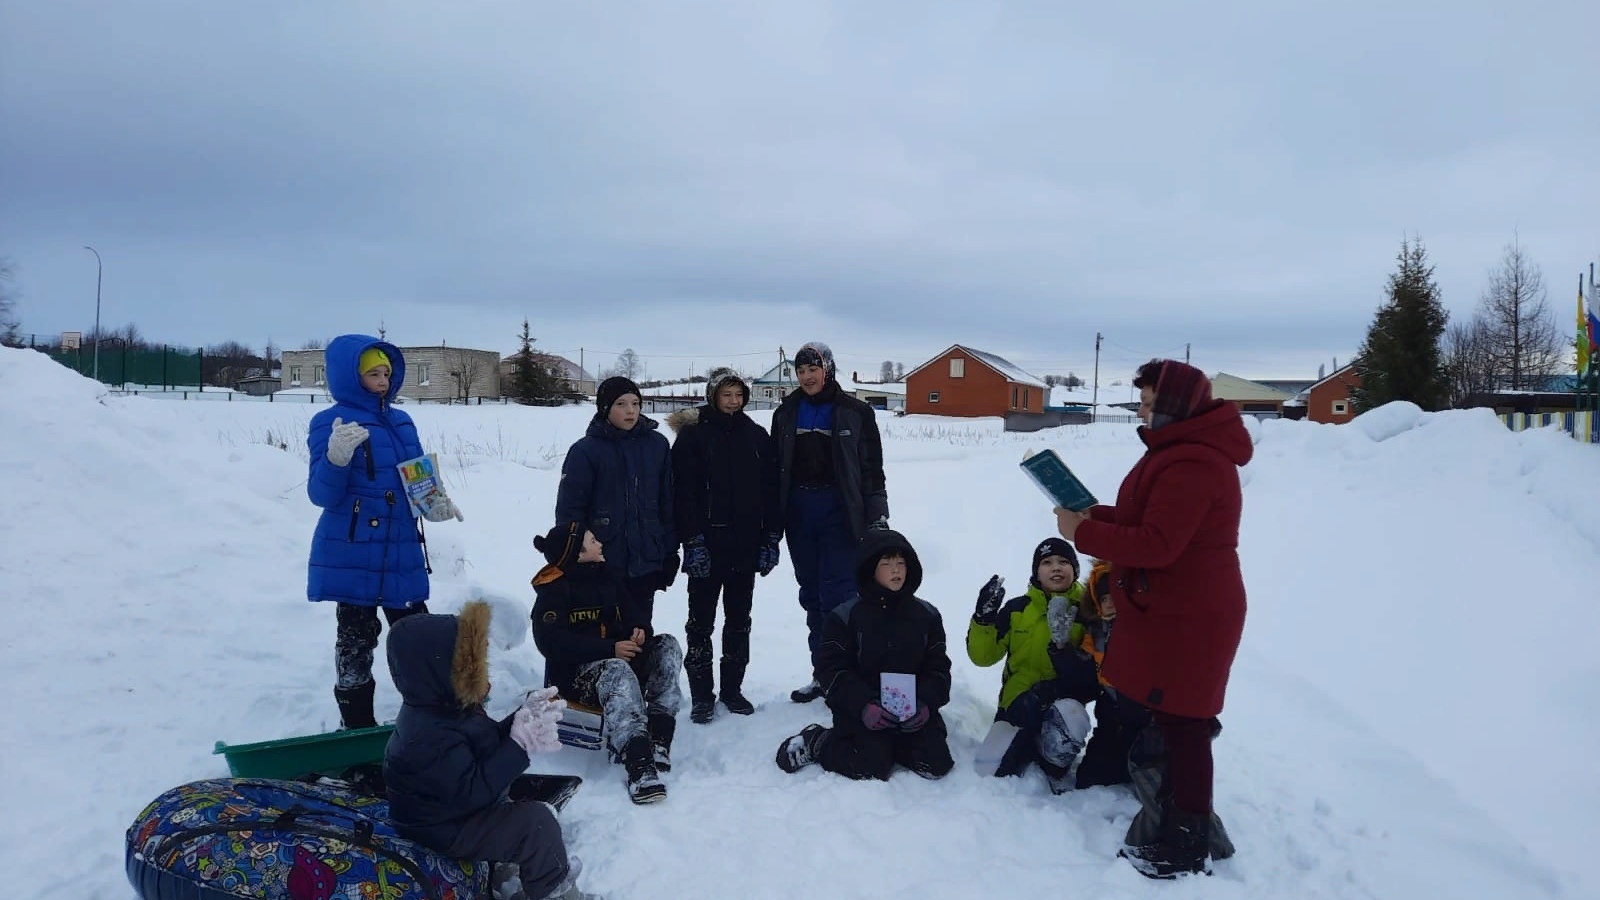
{"x":312,"y":754}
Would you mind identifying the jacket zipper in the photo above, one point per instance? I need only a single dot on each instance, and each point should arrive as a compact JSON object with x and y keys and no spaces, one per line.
{"x":355,"y":516}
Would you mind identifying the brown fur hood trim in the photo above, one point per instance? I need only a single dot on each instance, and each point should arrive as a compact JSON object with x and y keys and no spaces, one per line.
{"x":469,"y":668}
{"x":683,"y":418}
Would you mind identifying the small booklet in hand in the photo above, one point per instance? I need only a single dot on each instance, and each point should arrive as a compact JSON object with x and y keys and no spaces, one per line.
{"x":424,"y":488}
{"x":1057,"y":481}
{"x":897,"y":694}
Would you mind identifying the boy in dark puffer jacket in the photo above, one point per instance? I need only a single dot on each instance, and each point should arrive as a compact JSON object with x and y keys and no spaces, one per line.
{"x":600,"y":651}
{"x":885,"y":628}
{"x":449,"y":767}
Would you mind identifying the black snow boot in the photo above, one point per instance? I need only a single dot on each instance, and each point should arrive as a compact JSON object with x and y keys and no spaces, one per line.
{"x":1184,"y":847}
{"x":355,"y":706}
{"x":806,"y":694}
{"x":732,"y":683}
{"x":801,"y":750}
{"x":661,"y":728}
{"x":644,"y":784}
{"x":702,"y":693}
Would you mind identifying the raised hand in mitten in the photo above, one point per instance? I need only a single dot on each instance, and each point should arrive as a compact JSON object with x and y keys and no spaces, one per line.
{"x":696,"y":558}
{"x":990,"y":596}
{"x":527,"y":731}
{"x":876,"y":718}
{"x":344,"y":440}
{"x":767,"y":556}
{"x":1061,"y":615}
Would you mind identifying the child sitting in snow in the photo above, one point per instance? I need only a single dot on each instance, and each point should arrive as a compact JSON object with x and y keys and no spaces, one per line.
{"x":599,"y":650}
{"x":449,"y":767}
{"x":884,"y":629}
{"x":1051,"y":638}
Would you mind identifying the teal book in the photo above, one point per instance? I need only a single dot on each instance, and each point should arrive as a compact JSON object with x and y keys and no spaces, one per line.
{"x":1053,"y":477}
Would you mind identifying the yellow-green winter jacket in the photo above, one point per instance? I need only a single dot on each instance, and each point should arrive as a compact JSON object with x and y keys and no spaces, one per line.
{"x":1020,"y":636}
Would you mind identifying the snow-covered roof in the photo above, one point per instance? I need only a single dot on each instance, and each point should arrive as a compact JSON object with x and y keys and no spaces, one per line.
{"x":1232,"y":387}
{"x":1007,"y":370}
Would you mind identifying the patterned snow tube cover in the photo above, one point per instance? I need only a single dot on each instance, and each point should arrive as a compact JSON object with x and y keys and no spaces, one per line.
{"x":285,"y":840}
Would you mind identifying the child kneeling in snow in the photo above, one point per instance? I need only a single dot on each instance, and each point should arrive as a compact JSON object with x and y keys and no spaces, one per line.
{"x":599,"y":650}
{"x":884,"y":629}
{"x":1051,"y":638}
{"x":449,"y":767}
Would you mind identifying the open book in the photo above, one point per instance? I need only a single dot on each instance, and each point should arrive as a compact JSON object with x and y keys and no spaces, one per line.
{"x":423,"y":486}
{"x":1057,"y":481}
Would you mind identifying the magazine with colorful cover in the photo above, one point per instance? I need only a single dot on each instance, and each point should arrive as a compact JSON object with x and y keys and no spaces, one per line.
{"x":897,"y":694}
{"x":424,"y":487}
{"x":1051,"y":474}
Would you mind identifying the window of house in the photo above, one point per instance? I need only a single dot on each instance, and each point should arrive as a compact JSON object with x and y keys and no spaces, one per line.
{"x":316,"y":375}
{"x":1341,"y":408}
{"x":424,"y":373}
{"x":933,"y":396}
{"x":1013,"y":396}
{"x":294,"y":376}
{"x":958,"y":368}
{"x":1026,"y":394}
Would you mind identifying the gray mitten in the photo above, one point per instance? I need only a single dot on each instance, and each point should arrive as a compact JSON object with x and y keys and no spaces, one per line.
{"x":443,"y":508}
{"x":344,"y":440}
{"x":1060,"y":614}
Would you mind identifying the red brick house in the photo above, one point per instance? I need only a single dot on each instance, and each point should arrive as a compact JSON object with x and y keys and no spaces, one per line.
{"x":962,"y":381}
{"x":1328,"y":401}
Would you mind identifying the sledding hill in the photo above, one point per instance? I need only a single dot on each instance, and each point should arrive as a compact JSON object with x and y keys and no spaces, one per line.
{"x":1413,"y":712}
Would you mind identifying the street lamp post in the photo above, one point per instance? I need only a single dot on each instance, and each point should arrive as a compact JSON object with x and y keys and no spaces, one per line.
{"x":99,"y":270}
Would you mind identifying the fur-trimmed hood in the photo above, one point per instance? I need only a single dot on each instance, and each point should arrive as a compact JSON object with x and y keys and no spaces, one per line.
{"x":683,"y":418}
{"x":442,"y":661}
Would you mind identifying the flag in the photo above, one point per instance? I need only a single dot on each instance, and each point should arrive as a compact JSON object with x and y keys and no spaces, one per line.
{"x":1585,"y":334}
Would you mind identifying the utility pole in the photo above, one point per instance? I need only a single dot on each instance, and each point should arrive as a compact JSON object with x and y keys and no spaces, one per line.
{"x":99,"y":270}
{"x":1186,"y":354}
{"x":1094,"y":405}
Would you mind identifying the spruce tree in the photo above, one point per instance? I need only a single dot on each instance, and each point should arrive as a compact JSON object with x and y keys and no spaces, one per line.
{"x":531,"y":381}
{"x":1402,"y":358}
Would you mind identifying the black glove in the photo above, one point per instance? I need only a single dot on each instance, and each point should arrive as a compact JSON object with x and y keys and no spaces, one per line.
{"x":669,"y":570}
{"x":696,"y":558}
{"x":767,"y":556}
{"x":990,"y":597}
{"x":1027,"y":710}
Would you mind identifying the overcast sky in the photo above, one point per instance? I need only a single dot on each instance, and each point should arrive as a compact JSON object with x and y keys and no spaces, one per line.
{"x":707,"y":181}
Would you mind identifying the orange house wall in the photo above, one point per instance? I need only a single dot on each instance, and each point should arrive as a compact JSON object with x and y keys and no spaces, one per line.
{"x":1319,"y":405}
{"x":981,"y":392}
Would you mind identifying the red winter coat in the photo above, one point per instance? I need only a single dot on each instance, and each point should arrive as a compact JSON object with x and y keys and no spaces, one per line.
{"x":1173,"y":541}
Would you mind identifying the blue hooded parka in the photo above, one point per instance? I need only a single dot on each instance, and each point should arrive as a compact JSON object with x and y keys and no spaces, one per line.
{"x":367,"y":548}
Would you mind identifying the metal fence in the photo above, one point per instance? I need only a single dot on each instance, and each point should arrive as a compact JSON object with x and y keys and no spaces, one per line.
{"x":121,"y":363}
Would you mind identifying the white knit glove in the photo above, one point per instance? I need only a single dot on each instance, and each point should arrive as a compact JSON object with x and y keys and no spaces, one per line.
{"x":443,"y":508}
{"x":344,"y":440}
{"x":534,"y":725}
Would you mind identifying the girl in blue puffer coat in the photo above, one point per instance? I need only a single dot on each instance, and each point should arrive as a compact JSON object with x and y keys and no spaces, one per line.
{"x":367,"y":551}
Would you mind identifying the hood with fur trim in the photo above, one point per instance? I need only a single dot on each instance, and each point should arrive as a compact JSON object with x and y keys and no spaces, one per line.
{"x":680,"y":419}
{"x":442,"y":661}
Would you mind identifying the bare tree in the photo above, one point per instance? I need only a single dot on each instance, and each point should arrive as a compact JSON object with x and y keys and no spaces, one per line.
{"x":312,"y":344}
{"x":1468,"y":359}
{"x":131,"y":336}
{"x":272,"y":357}
{"x":468,"y":369}
{"x":10,"y":325}
{"x":1524,"y":341}
{"x":225,"y":363}
{"x":899,"y":371}
{"x":886,"y":371}
{"x":629,"y":366}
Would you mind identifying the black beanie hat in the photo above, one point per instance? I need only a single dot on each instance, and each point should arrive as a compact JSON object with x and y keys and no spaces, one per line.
{"x":1052,"y":547}
{"x":561,"y":545}
{"x":611,"y":389}
{"x":816,"y":353}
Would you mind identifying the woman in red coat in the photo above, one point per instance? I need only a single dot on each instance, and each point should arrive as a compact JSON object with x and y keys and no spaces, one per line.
{"x":1173,"y":539}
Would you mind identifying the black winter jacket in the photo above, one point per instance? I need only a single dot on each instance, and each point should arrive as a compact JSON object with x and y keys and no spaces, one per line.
{"x":579,"y":617}
{"x":880,"y":632}
{"x":619,"y":485}
{"x":446,"y":759}
{"x":725,"y":484}
{"x":857,"y":456}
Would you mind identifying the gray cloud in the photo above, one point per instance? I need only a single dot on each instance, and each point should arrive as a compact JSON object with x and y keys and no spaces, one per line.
{"x":717,"y":178}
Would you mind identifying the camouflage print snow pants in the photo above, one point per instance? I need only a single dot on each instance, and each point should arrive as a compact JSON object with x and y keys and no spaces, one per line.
{"x":629,"y":691}
{"x":357,"y":637}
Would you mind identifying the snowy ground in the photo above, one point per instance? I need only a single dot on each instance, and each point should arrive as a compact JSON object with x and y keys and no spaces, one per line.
{"x":1413,"y":712}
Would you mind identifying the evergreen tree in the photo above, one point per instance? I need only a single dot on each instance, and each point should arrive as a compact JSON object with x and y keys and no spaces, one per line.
{"x":1401,"y":358}
{"x":532,"y":382}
